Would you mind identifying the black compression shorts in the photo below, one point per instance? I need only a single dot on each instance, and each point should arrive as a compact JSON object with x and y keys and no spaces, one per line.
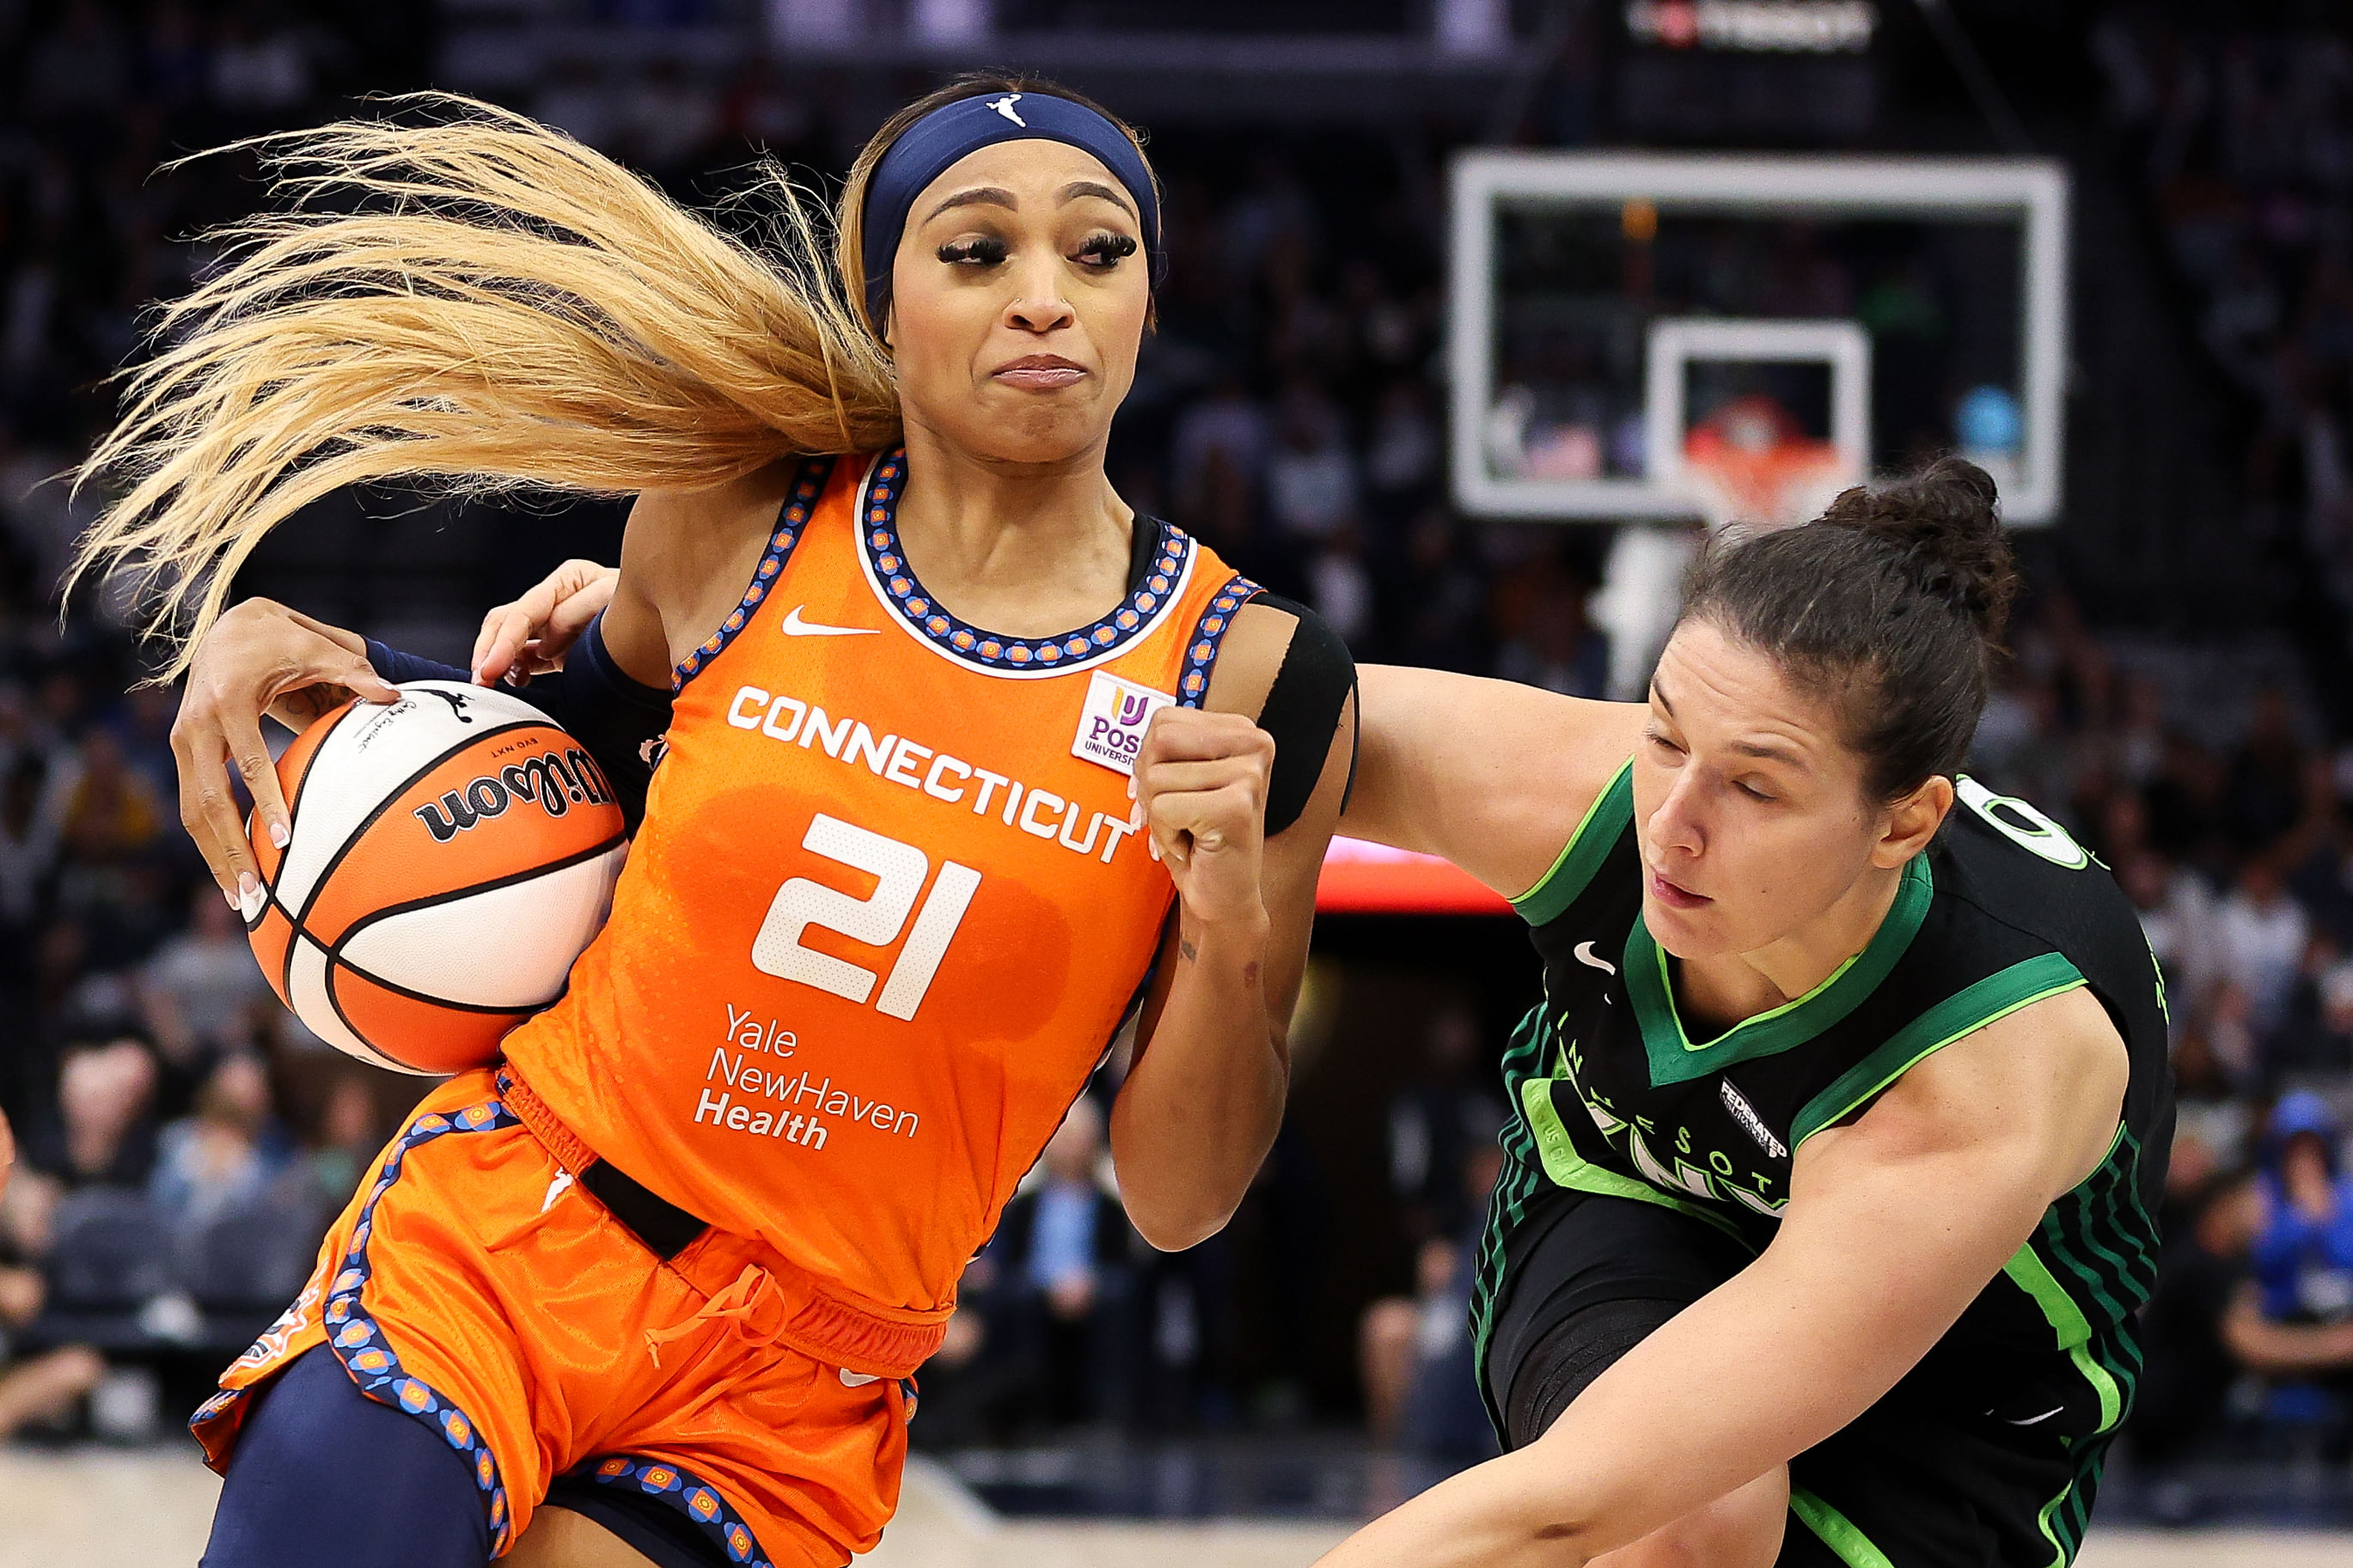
{"x":1954,"y":1467}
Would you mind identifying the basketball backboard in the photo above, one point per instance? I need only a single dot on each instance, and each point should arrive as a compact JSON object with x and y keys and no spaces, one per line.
{"x":1663,"y":336}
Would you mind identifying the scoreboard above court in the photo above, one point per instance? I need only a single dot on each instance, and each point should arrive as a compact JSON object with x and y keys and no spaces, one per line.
{"x":1729,"y":72}
{"x":1755,"y":27}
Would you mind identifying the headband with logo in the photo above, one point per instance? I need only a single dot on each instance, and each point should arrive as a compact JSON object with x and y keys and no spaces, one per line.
{"x":927,"y":149}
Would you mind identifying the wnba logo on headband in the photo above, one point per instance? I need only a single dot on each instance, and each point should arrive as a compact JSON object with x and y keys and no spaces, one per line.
{"x":928,"y":148}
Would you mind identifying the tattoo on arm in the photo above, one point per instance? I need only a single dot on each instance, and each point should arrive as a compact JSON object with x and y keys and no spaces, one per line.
{"x":1188,"y":949}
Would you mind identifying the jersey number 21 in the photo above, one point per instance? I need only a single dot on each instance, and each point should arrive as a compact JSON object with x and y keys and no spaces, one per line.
{"x":899,"y":871}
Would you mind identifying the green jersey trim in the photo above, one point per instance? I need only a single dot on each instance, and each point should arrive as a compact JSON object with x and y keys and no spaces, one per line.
{"x":1676,"y":1059}
{"x":1835,"y":1530}
{"x":1567,"y":1168}
{"x":1572,"y":870}
{"x":1995,"y":997}
{"x":2069,"y":1326}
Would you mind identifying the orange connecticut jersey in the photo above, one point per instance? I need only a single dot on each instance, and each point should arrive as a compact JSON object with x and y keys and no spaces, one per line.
{"x":889,"y":905}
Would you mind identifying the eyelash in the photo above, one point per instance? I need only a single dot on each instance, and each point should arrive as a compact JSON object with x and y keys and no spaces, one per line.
{"x":1104,"y":252}
{"x":1751,"y":792}
{"x":987,"y":250}
{"x":1099,"y":252}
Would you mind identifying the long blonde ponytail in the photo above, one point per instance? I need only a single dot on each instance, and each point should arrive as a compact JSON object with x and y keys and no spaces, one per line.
{"x":479,"y":303}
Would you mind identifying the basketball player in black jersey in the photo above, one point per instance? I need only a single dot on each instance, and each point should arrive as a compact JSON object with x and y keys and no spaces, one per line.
{"x":1826,"y":1204}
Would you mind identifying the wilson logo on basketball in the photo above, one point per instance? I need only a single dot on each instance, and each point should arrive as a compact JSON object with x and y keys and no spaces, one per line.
{"x":551,"y":781}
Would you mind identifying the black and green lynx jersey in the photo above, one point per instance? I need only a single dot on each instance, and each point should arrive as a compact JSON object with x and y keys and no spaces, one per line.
{"x":1614,"y":1096}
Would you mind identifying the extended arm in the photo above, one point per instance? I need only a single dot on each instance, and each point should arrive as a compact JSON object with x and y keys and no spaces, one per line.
{"x":1895,"y":1221}
{"x":2284,"y":1349}
{"x":1201,"y":1105}
{"x":1491,"y":774}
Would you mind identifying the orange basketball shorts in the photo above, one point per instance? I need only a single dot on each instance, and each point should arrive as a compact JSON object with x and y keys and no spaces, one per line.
{"x":472,"y":1284}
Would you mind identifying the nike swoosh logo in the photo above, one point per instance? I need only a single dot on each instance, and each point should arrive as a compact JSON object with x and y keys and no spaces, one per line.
{"x":797,"y":627}
{"x":1585,"y":954}
{"x":2036,"y":1420}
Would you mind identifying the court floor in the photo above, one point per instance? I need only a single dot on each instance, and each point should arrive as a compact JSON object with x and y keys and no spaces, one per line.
{"x":100,"y":1509}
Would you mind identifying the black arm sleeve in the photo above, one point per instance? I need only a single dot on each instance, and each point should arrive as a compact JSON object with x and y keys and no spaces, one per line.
{"x":619,"y":720}
{"x":1302,"y":709}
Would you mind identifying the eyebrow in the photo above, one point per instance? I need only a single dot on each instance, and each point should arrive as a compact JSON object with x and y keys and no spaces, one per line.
{"x":1078,"y":188}
{"x":1770,"y":752}
{"x":998,"y":196}
{"x":979,"y":195}
{"x":1746,"y":748}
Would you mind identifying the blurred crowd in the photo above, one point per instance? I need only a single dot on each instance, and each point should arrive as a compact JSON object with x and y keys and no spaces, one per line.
{"x":1289,"y":411}
{"x":2241,"y":134}
{"x":181,"y":1140}
{"x":2239,"y":131}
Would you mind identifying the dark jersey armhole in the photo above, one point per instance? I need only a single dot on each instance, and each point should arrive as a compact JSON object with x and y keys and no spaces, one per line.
{"x":1606,"y":820}
{"x":800,"y":503}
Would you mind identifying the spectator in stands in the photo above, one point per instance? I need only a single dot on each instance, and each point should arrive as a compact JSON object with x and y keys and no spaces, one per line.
{"x":1435,"y":598}
{"x":2186,"y":1388}
{"x":2264,"y":798}
{"x":2260,"y":934}
{"x":99,"y":1135}
{"x":2316,"y":1040}
{"x":1415,"y":1354}
{"x":1549,"y":639}
{"x":1448,"y":1109}
{"x":199,"y":990}
{"x":1061,"y":1256}
{"x":1394,"y":1331}
{"x":106,"y":812}
{"x":2295,"y":1318}
{"x":2212,"y":1120}
{"x":348,"y":1138}
{"x":227,"y":1153}
{"x":2177,"y":913}
{"x":28,"y":852}
{"x":47,"y":1385}
{"x":1311,"y":477}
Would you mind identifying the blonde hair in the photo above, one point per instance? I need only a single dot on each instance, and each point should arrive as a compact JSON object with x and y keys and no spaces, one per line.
{"x":480,"y":303}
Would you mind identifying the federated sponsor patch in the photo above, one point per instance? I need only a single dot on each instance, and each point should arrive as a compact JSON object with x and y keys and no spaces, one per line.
{"x":1112,"y":725}
{"x":1752,"y":1123}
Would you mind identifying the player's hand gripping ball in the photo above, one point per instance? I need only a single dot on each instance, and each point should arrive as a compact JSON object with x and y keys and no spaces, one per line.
{"x":449,"y":855}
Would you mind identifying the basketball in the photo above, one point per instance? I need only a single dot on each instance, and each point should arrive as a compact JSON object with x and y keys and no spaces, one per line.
{"x":449,"y":855}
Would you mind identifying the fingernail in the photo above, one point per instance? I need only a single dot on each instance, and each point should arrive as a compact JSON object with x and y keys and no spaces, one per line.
{"x":278,"y":835}
{"x":1131,"y":787}
{"x":228,"y":896}
{"x":249,"y":897}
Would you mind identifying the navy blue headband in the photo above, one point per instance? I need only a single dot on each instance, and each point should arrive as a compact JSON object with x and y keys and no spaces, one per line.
{"x":929,"y":147}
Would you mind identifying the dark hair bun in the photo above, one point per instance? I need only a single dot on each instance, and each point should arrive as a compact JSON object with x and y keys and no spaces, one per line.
{"x":1946,"y":519}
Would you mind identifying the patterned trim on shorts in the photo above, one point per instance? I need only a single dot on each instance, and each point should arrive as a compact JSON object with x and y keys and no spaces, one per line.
{"x":359,"y":1342}
{"x":680,"y":1489}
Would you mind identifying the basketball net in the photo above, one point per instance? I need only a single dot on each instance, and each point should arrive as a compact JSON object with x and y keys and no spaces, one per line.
{"x":1751,"y":462}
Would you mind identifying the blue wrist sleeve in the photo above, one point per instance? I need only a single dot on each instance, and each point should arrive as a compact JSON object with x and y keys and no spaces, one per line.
{"x":619,"y":720}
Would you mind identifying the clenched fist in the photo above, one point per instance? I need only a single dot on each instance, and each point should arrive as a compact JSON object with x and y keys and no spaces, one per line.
{"x":1201,"y":781}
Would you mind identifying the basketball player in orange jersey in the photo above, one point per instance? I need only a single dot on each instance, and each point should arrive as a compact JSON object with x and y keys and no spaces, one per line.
{"x":953,"y":729}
